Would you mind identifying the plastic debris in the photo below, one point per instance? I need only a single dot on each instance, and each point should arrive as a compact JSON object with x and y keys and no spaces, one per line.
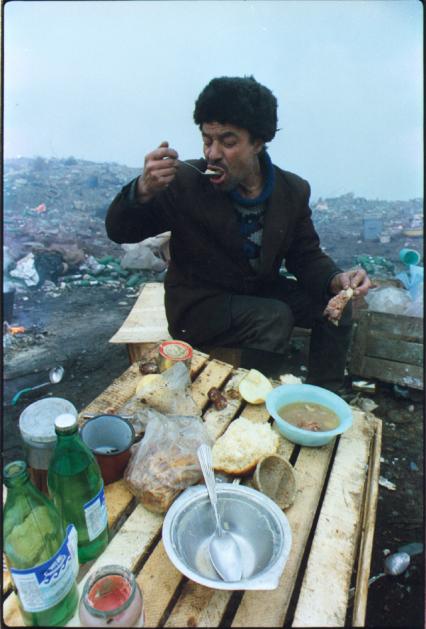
{"x":403,"y":392}
{"x":26,"y":271}
{"x":364,"y":385}
{"x":413,"y":467}
{"x":384,"y":482}
{"x":288,"y":378}
{"x":413,"y":548}
{"x":366,"y":404}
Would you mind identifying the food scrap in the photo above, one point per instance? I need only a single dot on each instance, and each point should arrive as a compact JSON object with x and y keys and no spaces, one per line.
{"x":336,"y":305}
{"x":218,"y":399}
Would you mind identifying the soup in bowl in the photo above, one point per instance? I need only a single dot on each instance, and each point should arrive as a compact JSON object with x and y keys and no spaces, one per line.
{"x":308,"y":415}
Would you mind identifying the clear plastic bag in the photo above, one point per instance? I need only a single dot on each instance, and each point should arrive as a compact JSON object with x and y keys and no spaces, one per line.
{"x":171,"y":394}
{"x":388,"y":299}
{"x":165,"y":462}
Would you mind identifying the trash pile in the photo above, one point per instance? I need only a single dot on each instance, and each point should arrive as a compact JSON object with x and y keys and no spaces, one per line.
{"x":340,"y":222}
{"x":54,"y":231}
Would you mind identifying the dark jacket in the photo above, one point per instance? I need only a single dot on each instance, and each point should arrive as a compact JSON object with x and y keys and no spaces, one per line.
{"x":207,"y":262}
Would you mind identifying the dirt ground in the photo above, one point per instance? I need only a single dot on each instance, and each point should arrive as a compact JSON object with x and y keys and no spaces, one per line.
{"x":74,"y":328}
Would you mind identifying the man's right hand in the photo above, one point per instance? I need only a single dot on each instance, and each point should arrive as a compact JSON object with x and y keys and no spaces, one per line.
{"x":159,"y":170}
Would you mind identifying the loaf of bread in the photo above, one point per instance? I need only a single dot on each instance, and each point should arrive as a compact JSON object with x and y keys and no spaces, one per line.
{"x":242,"y":445}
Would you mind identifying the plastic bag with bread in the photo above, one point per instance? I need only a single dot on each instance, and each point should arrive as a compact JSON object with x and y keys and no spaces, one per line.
{"x":165,"y":462}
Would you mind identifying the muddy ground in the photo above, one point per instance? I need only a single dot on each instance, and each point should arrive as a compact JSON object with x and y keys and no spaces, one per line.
{"x":74,"y":328}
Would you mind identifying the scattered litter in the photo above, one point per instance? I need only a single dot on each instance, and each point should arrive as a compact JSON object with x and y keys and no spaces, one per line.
{"x":401,"y":391}
{"x":386,"y":552}
{"x":26,"y":271}
{"x":411,"y":408}
{"x":366,"y":404}
{"x":364,"y":385}
{"x":384,"y":482}
{"x":303,"y":368}
{"x":413,"y":548}
{"x":288,"y":378}
{"x":413,"y":467}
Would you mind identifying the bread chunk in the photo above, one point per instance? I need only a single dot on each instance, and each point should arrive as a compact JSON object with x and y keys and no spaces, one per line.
{"x":242,"y":445}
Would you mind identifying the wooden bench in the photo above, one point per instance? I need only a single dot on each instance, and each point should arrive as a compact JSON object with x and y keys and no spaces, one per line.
{"x":146,"y":326}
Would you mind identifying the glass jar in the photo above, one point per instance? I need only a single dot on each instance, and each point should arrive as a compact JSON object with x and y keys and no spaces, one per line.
{"x":111,"y":598}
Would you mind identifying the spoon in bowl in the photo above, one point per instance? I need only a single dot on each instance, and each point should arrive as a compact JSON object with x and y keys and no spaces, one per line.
{"x":225,"y":554}
{"x":55,"y":376}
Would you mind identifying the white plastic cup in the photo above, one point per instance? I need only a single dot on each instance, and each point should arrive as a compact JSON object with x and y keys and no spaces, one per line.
{"x":37,"y":428}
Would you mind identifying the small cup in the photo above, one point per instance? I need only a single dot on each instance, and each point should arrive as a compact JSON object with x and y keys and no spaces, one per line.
{"x":109,"y":437}
{"x":409,"y":256}
{"x":274,"y":477}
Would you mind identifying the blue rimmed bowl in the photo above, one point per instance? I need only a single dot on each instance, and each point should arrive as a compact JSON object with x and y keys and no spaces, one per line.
{"x":306,"y":393}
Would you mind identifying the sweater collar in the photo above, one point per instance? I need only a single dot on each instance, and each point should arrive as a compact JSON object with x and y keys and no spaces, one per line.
{"x":269,"y":174}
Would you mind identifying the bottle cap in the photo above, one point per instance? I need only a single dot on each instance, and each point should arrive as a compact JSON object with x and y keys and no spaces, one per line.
{"x":65,"y":421}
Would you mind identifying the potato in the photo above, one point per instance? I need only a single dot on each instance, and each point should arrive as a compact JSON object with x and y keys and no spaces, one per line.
{"x":148,"y":380}
{"x":254,"y":387}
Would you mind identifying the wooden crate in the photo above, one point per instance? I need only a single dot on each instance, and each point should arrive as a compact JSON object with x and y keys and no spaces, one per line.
{"x":332,"y":522}
{"x":388,"y":347}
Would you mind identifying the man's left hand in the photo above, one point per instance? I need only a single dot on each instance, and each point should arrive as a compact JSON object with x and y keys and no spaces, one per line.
{"x":357,"y":279}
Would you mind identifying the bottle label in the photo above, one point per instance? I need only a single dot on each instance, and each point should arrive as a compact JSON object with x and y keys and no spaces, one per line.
{"x":43,"y":586}
{"x":96,"y":516}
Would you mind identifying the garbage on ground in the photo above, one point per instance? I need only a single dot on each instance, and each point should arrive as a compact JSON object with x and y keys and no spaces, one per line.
{"x":364,"y":386}
{"x":384,"y":482}
{"x":399,"y":391}
{"x":375,"y":265}
{"x":26,"y":271}
{"x":288,"y":378}
{"x":150,"y":254}
{"x":366,"y":404}
{"x":413,"y":548}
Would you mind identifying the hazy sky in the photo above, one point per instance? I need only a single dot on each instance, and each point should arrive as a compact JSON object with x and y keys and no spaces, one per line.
{"x":109,"y":80}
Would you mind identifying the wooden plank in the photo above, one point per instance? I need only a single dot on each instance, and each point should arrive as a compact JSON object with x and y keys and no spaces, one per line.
{"x":358,"y":345}
{"x":390,"y":371}
{"x":269,"y":608}
{"x":394,"y":349}
{"x":147,"y":320}
{"x":118,"y":499}
{"x":367,"y":534}
{"x":158,"y":580}
{"x":127,"y":547}
{"x":117,"y":394}
{"x":395,"y":325}
{"x":334,"y":543}
{"x":199,"y":606}
{"x":214,"y":375}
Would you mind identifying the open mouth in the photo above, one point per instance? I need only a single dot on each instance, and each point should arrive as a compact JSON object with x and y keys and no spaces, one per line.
{"x":216,"y":174}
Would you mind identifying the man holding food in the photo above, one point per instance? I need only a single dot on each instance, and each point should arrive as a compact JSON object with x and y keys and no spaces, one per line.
{"x":235,"y":219}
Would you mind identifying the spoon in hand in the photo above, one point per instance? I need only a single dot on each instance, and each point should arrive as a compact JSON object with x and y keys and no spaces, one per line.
{"x":55,"y":375}
{"x":224,"y":551}
{"x":207,"y":173}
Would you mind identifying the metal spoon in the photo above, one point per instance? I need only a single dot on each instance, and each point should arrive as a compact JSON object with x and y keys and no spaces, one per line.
{"x":55,"y":375}
{"x":394,"y":564}
{"x":224,"y":551}
{"x":206,"y":173}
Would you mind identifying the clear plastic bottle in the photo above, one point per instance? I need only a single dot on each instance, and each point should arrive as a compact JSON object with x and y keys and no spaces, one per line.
{"x":75,"y":484}
{"x":40,"y":553}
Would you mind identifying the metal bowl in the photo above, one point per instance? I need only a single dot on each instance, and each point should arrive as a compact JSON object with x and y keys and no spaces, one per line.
{"x":257,"y":523}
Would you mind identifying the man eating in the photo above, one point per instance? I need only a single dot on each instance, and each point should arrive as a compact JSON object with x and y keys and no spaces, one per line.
{"x":232,"y":231}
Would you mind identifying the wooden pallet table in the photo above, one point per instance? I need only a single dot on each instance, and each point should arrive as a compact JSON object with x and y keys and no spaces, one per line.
{"x":332,"y":522}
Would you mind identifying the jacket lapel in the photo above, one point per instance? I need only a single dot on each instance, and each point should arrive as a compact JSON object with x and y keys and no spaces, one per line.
{"x":277,"y":219}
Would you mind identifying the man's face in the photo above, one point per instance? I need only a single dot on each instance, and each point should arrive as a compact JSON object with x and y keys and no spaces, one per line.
{"x":231,"y":151}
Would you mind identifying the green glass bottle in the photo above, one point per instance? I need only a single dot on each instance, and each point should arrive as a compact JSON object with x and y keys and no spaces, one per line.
{"x":40,"y":553}
{"x":75,"y":484}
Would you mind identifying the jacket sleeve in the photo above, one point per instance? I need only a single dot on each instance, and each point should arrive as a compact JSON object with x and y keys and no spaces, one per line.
{"x":129,"y":221}
{"x":305,"y":258}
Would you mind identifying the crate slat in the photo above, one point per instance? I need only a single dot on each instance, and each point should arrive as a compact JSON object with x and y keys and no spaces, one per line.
{"x":334,"y":544}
